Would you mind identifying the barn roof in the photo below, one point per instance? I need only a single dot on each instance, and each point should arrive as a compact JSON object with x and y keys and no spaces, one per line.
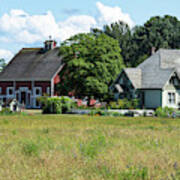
{"x":33,"y":64}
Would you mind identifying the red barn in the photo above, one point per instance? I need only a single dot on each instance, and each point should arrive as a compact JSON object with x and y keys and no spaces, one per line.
{"x":30,"y":74}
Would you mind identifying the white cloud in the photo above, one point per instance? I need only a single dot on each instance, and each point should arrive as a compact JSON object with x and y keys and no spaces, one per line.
{"x":112,"y":14}
{"x":13,"y":22}
{"x":75,"y":25}
{"x":6,"y":54}
{"x":24,"y":28}
{"x":20,"y":27}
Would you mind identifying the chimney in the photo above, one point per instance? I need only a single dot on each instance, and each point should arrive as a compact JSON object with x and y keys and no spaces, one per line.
{"x":153,"y":50}
{"x":49,"y":44}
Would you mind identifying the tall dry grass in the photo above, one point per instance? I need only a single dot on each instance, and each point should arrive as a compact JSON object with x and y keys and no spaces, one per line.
{"x":83,"y":148}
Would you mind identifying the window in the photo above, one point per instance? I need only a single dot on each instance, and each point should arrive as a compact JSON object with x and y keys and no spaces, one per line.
{"x":10,"y":91}
{"x":171,"y":98}
{"x":0,"y":90}
{"x":48,"y":90}
{"x":38,"y":91}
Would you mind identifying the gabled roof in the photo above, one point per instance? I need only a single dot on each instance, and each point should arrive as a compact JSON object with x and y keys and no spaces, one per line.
{"x":158,"y":68}
{"x":32,"y":64}
{"x":156,"y":79}
{"x":155,"y":72}
{"x":134,"y":75}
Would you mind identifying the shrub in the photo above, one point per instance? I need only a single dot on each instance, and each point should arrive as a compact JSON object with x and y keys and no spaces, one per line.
{"x":56,"y":105}
{"x":135,"y":103}
{"x":66,"y":104}
{"x":113,"y":105}
{"x":168,"y":110}
{"x":125,"y":104}
{"x":128,"y":104}
{"x":164,"y":112}
{"x":121,"y":103}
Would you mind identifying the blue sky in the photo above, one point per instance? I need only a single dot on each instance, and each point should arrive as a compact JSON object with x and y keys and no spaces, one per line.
{"x":27,"y":23}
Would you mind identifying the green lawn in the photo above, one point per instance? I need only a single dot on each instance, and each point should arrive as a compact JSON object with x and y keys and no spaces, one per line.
{"x":82,"y":148}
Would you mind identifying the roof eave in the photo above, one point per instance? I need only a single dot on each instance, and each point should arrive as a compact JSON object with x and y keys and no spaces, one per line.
{"x":174,"y":71}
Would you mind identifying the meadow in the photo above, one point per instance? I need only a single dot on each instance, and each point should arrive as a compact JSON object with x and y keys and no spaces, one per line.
{"x":45,"y":147}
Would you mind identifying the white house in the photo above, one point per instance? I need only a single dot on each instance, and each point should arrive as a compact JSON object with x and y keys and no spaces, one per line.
{"x":156,"y":82}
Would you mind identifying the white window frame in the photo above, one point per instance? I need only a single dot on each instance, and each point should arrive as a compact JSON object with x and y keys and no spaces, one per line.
{"x":171,"y":98}
{"x":8,"y":89}
{"x":40,"y":90}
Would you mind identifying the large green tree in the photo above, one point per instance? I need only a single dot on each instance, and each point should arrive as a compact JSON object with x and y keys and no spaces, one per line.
{"x":92,"y":62}
{"x":158,"y":32}
{"x":121,"y":32}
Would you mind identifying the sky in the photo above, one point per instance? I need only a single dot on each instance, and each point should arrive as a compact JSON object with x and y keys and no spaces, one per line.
{"x":28,"y":23}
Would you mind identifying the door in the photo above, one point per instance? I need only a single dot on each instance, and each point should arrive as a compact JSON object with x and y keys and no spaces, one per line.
{"x":23,"y":98}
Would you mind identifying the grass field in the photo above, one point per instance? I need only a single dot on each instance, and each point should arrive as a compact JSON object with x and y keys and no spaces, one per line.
{"x":82,"y":148}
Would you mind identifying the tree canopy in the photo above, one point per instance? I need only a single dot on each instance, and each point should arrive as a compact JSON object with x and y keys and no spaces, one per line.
{"x":137,"y":43}
{"x":121,"y":32}
{"x":92,"y":62}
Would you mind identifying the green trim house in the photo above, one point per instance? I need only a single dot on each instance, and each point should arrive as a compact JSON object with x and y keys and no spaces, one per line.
{"x":156,"y":82}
